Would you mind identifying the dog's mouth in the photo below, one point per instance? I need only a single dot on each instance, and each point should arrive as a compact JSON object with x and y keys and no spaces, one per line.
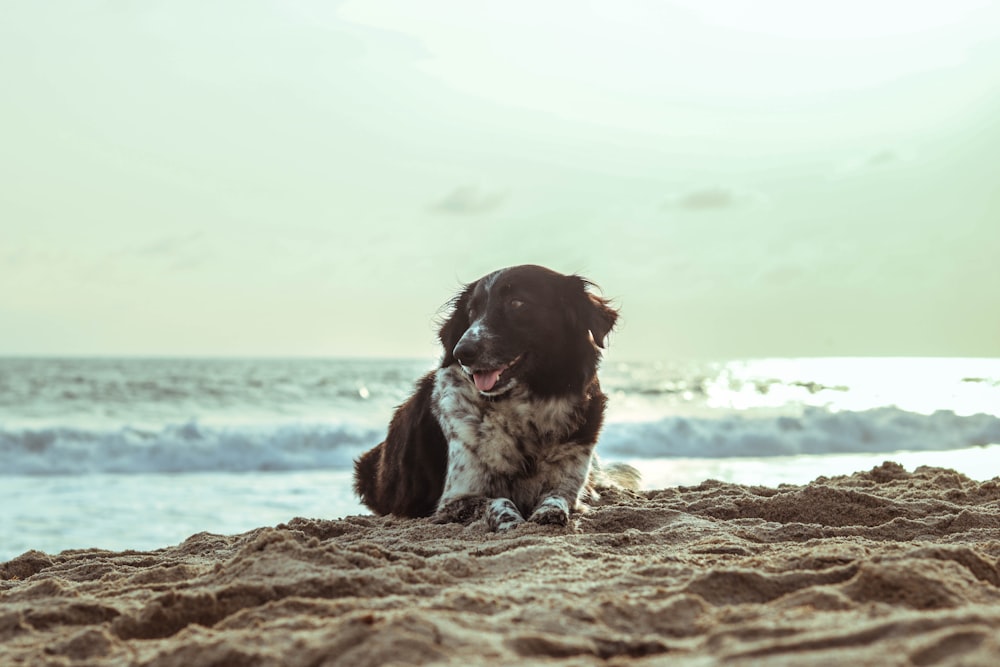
{"x":491,"y":379}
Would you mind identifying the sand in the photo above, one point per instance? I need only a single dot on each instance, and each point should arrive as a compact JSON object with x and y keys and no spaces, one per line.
{"x":886,"y":567}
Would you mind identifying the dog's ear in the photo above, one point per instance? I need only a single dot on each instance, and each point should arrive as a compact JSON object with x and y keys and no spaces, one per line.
{"x":455,"y":324}
{"x":593,"y":311}
{"x":602,"y":318}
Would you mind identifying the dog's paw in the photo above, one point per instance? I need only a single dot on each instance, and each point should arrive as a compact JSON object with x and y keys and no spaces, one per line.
{"x":461,"y":510}
{"x":502,"y":515}
{"x":551,"y":511}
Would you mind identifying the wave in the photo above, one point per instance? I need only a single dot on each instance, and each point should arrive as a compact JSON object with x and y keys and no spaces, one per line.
{"x":188,"y":447}
{"x":815,"y":431}
{"x":194,"y":447}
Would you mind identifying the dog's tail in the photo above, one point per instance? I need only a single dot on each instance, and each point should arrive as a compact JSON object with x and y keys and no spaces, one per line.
{"x":623,"y":475}
{"x":620,"y":475}
{"x":613,"y":476}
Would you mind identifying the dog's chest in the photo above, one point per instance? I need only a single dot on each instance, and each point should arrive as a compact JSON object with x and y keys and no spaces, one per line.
{"x":502,"y":434}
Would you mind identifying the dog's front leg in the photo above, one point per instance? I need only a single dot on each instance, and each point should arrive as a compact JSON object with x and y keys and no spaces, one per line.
{"x":502,"y":515}
{"x":468,"y":493}
{"x":563,"y":478}
{"x":553,"y":509}
{"x":465,"y":488}
{"x":464,"y":509}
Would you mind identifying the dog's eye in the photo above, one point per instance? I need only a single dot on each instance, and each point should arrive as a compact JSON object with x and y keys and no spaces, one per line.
{"x":516,"y":303}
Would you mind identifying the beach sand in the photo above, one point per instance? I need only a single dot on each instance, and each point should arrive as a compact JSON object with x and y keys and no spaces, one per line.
{"x":885,"y":567}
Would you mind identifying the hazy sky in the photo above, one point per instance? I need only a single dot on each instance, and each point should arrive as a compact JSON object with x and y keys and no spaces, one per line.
{"x":767,"y":178}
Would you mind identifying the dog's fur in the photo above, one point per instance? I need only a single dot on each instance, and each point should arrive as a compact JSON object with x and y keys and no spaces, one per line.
{"x":509,"y":421}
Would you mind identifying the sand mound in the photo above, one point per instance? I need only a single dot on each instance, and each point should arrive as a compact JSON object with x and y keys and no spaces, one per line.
{"x":878,"y":568}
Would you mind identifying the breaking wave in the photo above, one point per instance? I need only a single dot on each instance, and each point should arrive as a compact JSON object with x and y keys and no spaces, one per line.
{"x":195,"y":447}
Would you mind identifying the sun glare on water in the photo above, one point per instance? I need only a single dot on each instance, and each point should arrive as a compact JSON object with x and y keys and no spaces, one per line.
{"x":924,"y":386}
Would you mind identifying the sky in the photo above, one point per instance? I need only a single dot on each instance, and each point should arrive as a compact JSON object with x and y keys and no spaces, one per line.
{"x":314,"y":178}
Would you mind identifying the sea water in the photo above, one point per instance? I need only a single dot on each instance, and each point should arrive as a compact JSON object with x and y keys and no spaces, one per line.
{"x":141,"y":453}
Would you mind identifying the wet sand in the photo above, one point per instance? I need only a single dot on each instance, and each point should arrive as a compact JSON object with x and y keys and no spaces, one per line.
{"x":885,"y":567}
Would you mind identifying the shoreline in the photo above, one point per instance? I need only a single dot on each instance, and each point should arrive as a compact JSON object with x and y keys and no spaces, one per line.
{"x":880,"y":567}
{"x":53,"y":512}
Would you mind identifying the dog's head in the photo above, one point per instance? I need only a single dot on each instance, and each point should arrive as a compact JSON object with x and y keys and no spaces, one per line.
{"x":527,"y":325}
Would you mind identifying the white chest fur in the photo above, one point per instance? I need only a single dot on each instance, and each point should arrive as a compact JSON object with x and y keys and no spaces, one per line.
{"x":518,"y":451}
{"x":500,"y":434}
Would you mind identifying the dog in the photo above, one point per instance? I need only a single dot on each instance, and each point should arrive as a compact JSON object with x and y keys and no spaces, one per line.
{"x":507,"y":425}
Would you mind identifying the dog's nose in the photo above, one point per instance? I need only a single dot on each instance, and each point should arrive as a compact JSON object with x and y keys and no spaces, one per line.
{"x":466,"y":351}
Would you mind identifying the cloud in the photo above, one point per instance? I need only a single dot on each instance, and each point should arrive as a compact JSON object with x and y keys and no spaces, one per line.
{"x":179,"y":251}
{"x":886,"y":158}
{"x":781,"y":276}
{"x":469,"y":200}
{"x":882,"y":158}
{"x":713,"y":198}
{"x":169,"y":245}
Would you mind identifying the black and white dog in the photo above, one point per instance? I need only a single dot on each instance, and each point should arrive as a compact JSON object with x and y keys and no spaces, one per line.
{"x":509,"y":421}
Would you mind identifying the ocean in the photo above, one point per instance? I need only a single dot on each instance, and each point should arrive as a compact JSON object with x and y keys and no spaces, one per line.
{"x":142,"y":453}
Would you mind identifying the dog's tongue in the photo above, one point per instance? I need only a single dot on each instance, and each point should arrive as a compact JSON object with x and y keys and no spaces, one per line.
{"x":486,"y":380}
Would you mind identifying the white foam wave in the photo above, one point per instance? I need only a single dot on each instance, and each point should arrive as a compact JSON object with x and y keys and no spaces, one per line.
{"x":814,"y":431}
{"x":188,"y":447}
{"x":195,"y":447}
